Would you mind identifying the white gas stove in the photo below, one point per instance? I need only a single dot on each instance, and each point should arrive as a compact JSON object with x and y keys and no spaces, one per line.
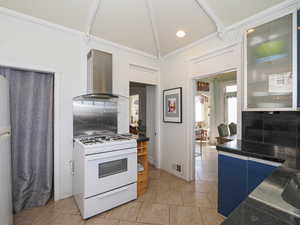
{"x":105,"y":172}
{"x":93,"y":144}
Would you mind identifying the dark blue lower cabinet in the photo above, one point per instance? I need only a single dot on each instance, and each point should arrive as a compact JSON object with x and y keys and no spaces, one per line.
{"x":238,"y":177}
{"x":257,"y":172}
{"x":232,"y":183}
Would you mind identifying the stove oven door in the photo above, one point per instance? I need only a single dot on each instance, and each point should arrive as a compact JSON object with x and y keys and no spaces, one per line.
{"x":110,"y":170}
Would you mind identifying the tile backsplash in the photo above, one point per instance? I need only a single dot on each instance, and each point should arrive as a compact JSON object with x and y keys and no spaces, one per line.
{"x":280,"y":128}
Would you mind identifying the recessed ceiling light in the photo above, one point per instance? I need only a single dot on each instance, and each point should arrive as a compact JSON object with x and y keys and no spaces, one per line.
{"x":250,"y":31}
{"x":180,"y":34}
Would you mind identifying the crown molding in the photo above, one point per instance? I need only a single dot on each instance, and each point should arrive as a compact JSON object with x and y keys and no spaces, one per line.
{"x":143,"y":68}
{"x":66,"y":30}
{"x":37,"y":21}
{"x":216,"y":52}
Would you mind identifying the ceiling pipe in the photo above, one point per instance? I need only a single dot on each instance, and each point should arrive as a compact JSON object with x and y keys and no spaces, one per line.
{"x":153,"y":27}
{"x":221,"y":29}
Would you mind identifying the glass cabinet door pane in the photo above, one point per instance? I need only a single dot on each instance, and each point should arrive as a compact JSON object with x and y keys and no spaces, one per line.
{"x":269,"y":64}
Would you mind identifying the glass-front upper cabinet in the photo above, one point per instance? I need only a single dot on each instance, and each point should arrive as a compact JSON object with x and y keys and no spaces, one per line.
{"x":269,"y":65}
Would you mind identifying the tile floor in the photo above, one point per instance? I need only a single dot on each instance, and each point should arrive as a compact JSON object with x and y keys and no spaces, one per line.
{"x":207,"y":164}
{"x":169,"y":201}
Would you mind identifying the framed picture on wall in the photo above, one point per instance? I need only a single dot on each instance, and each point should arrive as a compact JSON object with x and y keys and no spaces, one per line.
{"x":172,"y":105}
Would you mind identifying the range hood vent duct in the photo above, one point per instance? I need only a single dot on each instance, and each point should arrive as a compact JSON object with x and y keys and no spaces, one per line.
{"x":99,"y":74}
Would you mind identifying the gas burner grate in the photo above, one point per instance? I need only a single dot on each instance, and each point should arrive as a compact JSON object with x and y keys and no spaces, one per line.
{"x":102,"y":139}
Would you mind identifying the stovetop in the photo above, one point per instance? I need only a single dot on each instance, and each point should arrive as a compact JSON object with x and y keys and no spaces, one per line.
{"x":103,"y":139}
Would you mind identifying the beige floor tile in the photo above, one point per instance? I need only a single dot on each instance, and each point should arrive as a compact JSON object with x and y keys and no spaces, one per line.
{"x":169,"y":197}
{"x":168,"y":201}
{"x":167,"y":177}
{"x":34,"y":216}
{"x":67,"y":219}
{"x":99,"y":216}
{"x":211,"y":216}
{"x":199,"y":186}
{"x":127,"y":212}
{"x":66,"y":206}
{"x":149,"y":196}
{"x":213,"y":196}
{"x":132,"y":223}
{"x":197,"y":199}
{"x":185,"y":216}
{"x":22,"y":222}
{"x":208,"y":176}
{"x":154,"y":214}
{"x":179,"y":185}
{"x":159,"y":185}
{"x":101,"y":221}
{"x":154,"y":174}
{"x":28,"y":214}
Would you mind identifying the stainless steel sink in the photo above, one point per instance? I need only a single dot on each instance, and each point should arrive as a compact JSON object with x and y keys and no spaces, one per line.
{"x":291,"y":192}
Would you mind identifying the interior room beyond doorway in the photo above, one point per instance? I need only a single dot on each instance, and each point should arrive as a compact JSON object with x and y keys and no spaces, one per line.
{"x":215,"y":120}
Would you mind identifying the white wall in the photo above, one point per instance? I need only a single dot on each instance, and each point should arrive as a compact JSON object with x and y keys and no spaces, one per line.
{"x":178,"y":71}
{"x":26,"y":42}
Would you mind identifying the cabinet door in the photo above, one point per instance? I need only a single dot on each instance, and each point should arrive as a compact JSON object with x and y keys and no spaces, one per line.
{"x":298,"y":58}
{"x":232,"y":183}
{"x":257,"y":172}
{"x":269,"y":83}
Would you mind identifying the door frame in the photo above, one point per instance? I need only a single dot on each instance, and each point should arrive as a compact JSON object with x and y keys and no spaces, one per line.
{"x":158,"y":102}
{"x":56,"y":122}
{"x":154,"y":159}
{"x":191,"y":119}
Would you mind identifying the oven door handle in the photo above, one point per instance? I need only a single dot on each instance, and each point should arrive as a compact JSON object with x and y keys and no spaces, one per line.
{"x":118,"y":190}
{"x":111,"y":154}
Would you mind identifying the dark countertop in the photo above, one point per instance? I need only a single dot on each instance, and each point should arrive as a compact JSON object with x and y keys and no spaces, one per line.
{"x":252,"y":212}
{"x":265,"y":204}
{"x":141,"y":138}
{"x":287,"y":155}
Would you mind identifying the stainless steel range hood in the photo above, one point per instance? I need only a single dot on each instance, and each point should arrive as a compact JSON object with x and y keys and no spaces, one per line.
{"x":97,"y":111}
{"x":99,"y":75}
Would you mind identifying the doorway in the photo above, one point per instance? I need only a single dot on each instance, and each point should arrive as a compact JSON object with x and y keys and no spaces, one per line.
{"x":143,"y":115}
{"x":32,"y":136}
{"x":215,"y":106}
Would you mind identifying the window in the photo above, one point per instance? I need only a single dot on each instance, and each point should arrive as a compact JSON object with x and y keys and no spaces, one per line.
{"x":231,"y":88}
{"x":199,"y":109}
{"x":231,"y":104}
{"x":232,"y":110}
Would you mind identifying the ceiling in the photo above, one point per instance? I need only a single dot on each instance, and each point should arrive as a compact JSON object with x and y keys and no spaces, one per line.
{"x":146,"y":25}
